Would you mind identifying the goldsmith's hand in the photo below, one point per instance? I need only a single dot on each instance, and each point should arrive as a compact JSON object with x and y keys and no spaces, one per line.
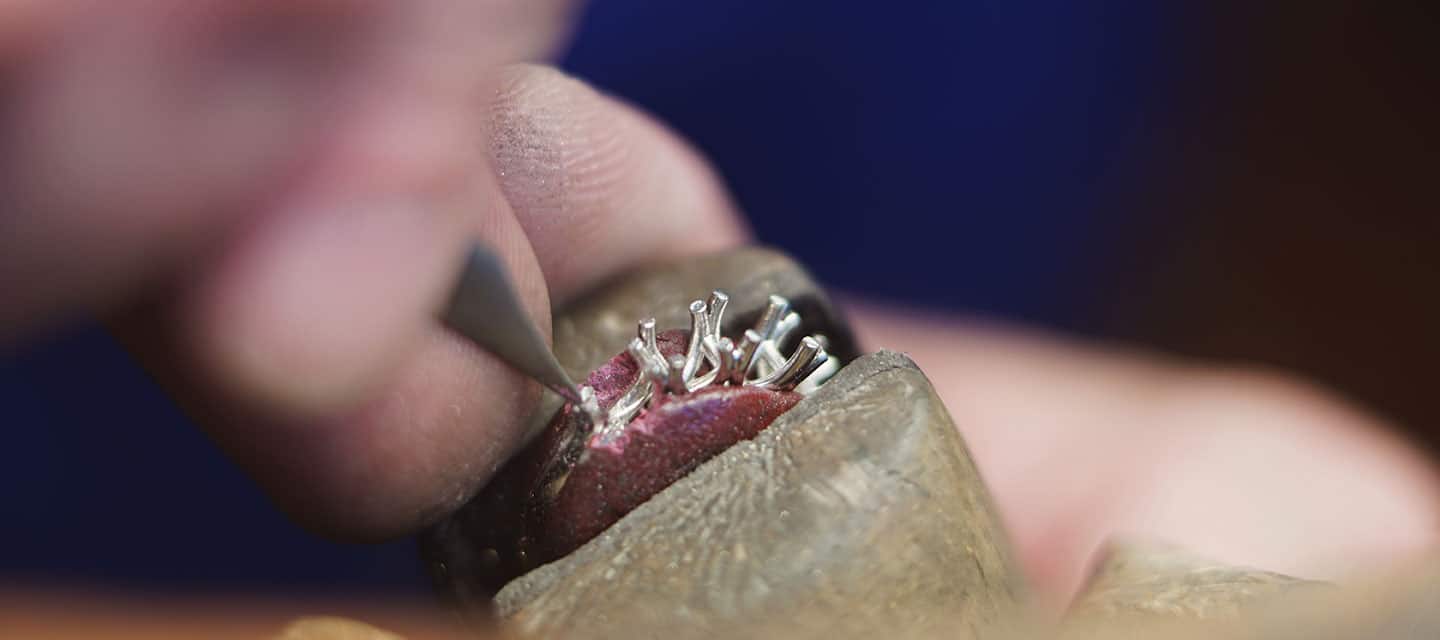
{"x":269,"y":201}
{"x":1083,"y":444}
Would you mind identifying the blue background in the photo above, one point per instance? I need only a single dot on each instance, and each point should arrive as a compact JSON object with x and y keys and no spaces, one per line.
{"x":963,"y":155}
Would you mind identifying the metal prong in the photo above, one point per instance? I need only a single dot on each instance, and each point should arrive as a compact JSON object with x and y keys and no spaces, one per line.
{"x":638,"y":394}
{"x":715,"y":317}
{"x":713,"y":359}
{"x":717,"y":353}
{"x":654,"y":371}
{"x":822,"y":373}
{"x":784,"y":328}
{"x":821,"y":359}
{"x":774,"y":312}
{"x":818,"y":377}
{"x":770,"y":349}
{"x":637,"y":352}
{"x":699,"y":328}
{"x":745,"y":355}
{"x":644,"y":358}
{"x":646,"y":332}
{"x":657,"y":378}
{"x":800,"y":364}
{"x":625,"y":409}
{"x":716,"y":306}
{"x":675,"y":380}
{"x":724,"y":349}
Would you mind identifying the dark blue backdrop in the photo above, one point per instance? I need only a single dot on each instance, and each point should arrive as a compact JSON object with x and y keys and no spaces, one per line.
{"x":955,"y":154}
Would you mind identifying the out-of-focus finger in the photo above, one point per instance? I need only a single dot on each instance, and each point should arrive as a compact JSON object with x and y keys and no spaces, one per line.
{"x":141,"y":131}
{"x":26,"y":23}
{"x":597,"y":185}
{"x":138,"y":135}
{"x":310,"y":350}
{"x":1081,"y":445}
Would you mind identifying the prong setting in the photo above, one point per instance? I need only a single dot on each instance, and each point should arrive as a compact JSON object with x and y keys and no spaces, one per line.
{"x":711,"y":359}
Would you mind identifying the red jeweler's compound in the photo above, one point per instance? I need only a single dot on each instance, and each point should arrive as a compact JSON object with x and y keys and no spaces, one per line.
{"x":649,"y":417}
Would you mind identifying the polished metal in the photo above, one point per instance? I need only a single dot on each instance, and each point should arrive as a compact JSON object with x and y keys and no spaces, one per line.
{"x":745,"y":355}
{"x":485,"y":308}
{"x":771,"y":358}
{"x":808,"y":357}
{"x":724,"y":350}
{"x":646,"y":331}
{"x":675,"y":382}
{"x":699,"y":329}
{"x":635,"y":398}
{"x":711,"y":359}
{"x":774,"y":313}
{"x":717,"y":303}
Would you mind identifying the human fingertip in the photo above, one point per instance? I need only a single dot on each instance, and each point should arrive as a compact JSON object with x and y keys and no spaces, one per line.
{"x":309,"y":314}
{"x":597,"y":185}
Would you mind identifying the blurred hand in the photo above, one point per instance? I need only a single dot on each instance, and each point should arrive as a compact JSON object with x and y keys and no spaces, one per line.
{"x":1082,"y":444}
{"x":270,"y":199}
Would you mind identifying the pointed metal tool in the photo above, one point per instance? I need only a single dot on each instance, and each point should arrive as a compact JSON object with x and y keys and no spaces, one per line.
{"x":486,"y":309}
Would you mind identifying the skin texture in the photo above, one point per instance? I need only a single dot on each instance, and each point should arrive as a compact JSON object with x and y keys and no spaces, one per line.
{"x":1082,"y":444}
{"x":286,"y":295}
{"x":328,"y":264}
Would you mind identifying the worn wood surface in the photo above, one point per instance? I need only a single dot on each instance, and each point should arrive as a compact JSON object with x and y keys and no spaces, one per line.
{"x":1155,"y":580}
{"x":856,"y":514}
{"x":1395,"y":605}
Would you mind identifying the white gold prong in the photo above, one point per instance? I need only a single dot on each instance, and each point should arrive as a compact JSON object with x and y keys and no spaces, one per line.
{"x":801,"y":363}
{"x":774,"y":312}
{"x":784,"y":328}
{"x":770,"y":349}
{"x":646,"y":332}
{"x":820,"y":359}
{"x":699,"y":328}
{"x":745,"y":355}
{"x":724,"y":349}
{"x":653,"y":372}
{"x":716,"y":306}
{"x":767,"y":359}
{"x":717,"y":352}
{"x":755,"y":360}
{"x":656,"y":378}
{"x":675,"y":378}
{"x":625,"y":409}
{"x":644,"y":358}
{"x":819,"y":376}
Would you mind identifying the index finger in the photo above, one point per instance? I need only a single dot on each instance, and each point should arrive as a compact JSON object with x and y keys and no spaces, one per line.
{"x":310,"y":349}
{"x":138,"y":135}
